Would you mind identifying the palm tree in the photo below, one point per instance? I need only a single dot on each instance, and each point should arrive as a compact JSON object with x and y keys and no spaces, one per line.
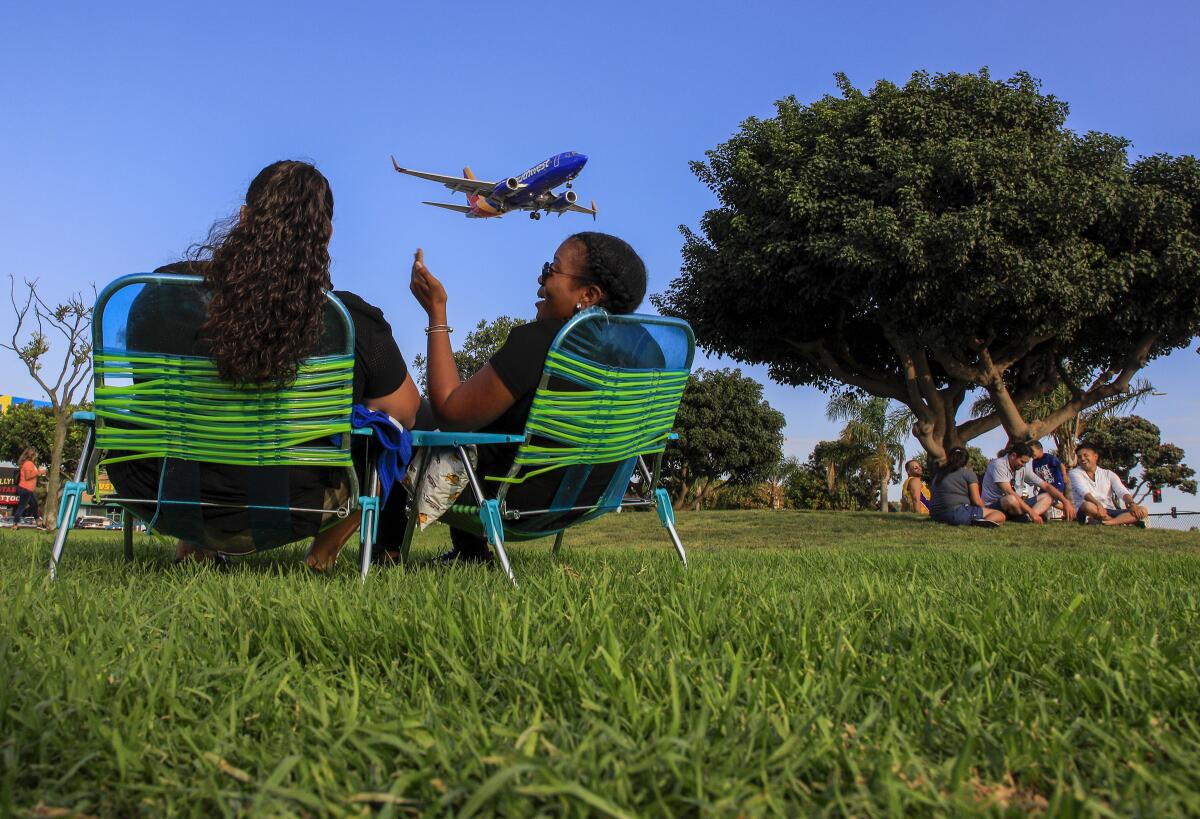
{"x":877,"y":431}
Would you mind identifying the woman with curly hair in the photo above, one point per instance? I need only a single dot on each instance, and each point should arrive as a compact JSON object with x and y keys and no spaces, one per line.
{"x":589,"y":269}
{"x":266,"y":273}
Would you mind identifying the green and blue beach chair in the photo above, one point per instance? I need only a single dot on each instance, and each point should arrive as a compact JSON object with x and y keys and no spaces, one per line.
{"x":158,"y":396}
{"x":610,"y":389}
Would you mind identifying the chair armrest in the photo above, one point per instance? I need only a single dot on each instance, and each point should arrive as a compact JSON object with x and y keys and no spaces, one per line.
{"x":85,"y":416}
{"x":674,"y":436}
{"x":362,"y":431}
{"x":423,"y":437}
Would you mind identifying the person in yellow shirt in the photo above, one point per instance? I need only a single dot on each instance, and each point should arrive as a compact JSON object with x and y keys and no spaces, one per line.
{"x":914,"y":496}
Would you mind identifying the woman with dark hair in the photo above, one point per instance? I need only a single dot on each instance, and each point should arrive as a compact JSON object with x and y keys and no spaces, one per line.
{"x":266,"y":273}
{"x":27,"y":475}
{"x":956,"y":499}
{"x":589,"y":269}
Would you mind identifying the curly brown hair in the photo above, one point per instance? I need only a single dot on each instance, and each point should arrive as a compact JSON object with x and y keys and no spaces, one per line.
{"x":268,"y":272}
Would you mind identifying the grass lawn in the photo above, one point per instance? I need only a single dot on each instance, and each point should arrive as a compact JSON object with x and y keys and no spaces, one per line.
{"x":806,"y":662}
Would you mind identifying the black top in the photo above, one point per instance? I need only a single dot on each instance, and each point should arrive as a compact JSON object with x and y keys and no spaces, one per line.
{"x":519,"y":364}
{"x":379,"y":367}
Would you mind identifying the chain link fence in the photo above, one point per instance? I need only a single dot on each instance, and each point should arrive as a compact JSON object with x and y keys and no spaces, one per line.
{"x":1175,"y":520}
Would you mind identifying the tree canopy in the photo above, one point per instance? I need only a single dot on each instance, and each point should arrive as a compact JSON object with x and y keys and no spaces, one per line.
{"x":728,"y":434}
{"x":921,"y":241}
{"x":1131,"y":442}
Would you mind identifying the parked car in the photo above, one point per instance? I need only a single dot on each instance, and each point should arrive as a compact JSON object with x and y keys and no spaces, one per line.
{"x":91,"y":522}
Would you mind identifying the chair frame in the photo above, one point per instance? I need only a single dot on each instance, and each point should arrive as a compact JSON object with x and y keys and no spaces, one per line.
{"x":494,"y":511}
{"x":85,"y":470}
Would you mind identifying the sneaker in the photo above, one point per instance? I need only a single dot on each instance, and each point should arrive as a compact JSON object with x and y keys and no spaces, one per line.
{"x":454,"y":557}
{"x":984,"y":523}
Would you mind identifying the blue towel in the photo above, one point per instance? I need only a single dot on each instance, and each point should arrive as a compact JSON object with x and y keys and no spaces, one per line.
{"x":395,"y":445}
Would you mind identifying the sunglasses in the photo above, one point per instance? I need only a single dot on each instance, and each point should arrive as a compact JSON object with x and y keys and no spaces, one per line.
{"x":548,"y":271}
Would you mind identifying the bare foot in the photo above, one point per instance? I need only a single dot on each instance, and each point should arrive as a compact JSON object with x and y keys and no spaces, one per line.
{"x":187,"y":552}
{"x":327,"y":545}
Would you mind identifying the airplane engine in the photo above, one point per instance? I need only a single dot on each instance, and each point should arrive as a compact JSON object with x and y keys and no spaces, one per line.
{"x":563,"y":202}
{"x":506,"y":188}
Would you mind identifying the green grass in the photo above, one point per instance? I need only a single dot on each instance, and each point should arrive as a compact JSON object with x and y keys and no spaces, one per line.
{"x":806,"y":662}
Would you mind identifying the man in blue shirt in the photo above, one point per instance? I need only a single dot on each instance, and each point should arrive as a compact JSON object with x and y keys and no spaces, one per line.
{"x":1049,"y":468}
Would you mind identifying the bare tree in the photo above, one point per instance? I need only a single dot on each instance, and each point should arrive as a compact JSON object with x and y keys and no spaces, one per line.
{"x":37,"y":324}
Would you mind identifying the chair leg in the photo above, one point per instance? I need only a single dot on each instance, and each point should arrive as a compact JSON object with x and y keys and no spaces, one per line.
{"x":70,"y":502}
{"x":127,"y":534}
{"x":558,"y":539}
{"x":367,"y":526}
{"x":489,"y":513}
{"x":666,"y":516}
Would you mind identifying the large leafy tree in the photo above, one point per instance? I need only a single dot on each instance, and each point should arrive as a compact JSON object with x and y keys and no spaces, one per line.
{"x":1131,"y":442}
{"x":919,"y":242}
{"x":728,"y":434}
{"x":875,"y":430}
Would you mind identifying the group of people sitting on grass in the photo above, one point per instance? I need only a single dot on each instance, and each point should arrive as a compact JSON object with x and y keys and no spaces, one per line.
{"x":1023,"y":483}
{"x":267,"y":272}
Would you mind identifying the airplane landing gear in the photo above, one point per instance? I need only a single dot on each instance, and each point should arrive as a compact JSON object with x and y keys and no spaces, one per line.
{"x":568,"y":184}
{"x":534,"y":215}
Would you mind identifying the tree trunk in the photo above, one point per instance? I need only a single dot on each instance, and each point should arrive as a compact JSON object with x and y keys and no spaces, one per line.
{"x":54,"y":477}
{"x":885,"y":480}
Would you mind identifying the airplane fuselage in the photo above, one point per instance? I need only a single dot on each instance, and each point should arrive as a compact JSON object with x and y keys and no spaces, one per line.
{"x":536,"y":187}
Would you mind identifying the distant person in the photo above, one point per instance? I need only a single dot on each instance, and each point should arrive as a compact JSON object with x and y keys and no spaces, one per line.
{"x":1049,"y":469}
{"x":27,"y":486}
{"x":914,"y":495}
{"x":1098,"y":493}
{"x":956,"y":499}
{"x":1006,"y":478}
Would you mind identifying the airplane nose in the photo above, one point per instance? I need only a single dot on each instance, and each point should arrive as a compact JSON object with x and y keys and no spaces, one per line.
{"x":580,"y":160}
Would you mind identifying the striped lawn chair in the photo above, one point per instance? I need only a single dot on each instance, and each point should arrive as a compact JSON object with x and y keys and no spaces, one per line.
{"x":610,"y":388}
{"x":162,"y":399}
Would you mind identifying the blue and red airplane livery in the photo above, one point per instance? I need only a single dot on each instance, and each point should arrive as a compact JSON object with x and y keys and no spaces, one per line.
{"x":532,"y":191}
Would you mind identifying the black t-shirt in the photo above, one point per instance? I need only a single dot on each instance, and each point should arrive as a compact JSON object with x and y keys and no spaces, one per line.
{"x":519,"y":363}
{"x":379,"y":367}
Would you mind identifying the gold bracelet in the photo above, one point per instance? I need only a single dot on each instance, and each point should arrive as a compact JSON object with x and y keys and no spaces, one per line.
{"x":439,"y":328}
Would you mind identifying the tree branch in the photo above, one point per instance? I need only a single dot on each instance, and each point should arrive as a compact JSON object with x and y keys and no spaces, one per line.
{"x":1101,"y":389}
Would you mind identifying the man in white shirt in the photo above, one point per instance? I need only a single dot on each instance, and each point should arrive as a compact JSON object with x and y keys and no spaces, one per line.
{"x":998,"y":491}
{"x":1097,"y":493}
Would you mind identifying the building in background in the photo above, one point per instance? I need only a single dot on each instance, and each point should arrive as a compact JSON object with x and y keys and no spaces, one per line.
{"x":7,"y":401}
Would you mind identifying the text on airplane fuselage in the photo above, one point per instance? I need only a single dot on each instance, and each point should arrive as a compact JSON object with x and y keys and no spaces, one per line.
{"x":535,"y":169}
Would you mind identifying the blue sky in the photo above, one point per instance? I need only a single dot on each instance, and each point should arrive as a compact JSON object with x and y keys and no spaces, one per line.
{"x":126,"y":129}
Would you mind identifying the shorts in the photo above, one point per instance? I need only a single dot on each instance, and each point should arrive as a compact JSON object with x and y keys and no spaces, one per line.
{"x":957,"y":516}
{"x":1080,"y":517}
{"x":995,"y":506}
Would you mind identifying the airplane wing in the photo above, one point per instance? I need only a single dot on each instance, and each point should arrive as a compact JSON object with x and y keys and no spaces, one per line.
{"x":581,"y":209}
{"x":459,"y":208}
{"x":458,"y":184}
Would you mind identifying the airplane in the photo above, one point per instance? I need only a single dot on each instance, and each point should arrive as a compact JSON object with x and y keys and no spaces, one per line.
{"x":532,"y":191}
